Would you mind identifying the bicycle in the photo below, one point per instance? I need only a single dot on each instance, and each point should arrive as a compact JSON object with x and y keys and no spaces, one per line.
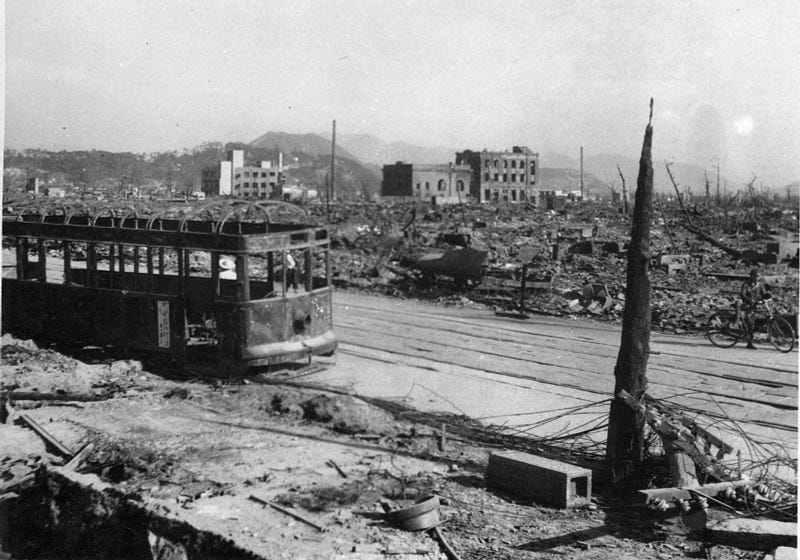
{"x":727,"y":327}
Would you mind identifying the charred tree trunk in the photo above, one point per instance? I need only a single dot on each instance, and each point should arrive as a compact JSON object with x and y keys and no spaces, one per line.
{"x":624,"y":192}
{"x":625,"y":444}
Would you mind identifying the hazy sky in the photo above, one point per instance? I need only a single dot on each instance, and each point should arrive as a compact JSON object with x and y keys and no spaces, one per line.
{"x":144,"y":75}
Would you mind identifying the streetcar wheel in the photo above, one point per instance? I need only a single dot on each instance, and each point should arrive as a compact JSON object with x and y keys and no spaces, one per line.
{"x":723,"y":331}
{"x":781,"y":334}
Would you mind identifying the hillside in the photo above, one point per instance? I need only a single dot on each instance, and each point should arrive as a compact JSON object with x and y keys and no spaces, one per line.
{"x":557,"y":179}
{"x":373,"y":150}
{"x":291,"y":144}
{"x":182,"y":170}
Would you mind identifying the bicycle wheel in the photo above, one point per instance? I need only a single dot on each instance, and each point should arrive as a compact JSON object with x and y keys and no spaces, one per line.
{"x":723,"y":330}
{"x":781,"y":334}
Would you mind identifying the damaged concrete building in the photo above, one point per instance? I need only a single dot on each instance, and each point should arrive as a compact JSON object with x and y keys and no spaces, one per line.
{"x":233,"y":178}
{"x":503,"y":176}
{"x":443,"y":183}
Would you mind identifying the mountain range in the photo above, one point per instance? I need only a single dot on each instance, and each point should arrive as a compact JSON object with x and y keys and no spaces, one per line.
{"x":559,"y":172}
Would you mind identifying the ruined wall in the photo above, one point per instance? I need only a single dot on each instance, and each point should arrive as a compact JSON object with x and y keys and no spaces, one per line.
{"x":397,"y":180}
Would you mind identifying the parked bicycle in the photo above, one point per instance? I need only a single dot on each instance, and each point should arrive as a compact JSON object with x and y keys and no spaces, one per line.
{"x":727,"y":327}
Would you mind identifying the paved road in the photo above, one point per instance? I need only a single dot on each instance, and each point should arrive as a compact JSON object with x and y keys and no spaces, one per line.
{"x":521,"y":372}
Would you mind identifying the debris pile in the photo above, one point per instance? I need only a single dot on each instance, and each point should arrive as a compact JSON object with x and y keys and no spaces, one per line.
{"x":567,"y":262}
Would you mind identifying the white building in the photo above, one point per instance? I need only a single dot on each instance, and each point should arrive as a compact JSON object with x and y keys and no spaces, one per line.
{"x":233,"y":178}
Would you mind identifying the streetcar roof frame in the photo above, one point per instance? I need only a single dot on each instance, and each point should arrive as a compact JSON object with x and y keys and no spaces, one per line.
{"x":226,"y":229}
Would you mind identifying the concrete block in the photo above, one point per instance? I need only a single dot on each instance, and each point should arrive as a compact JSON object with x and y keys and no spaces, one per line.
{"x":544,"y":481}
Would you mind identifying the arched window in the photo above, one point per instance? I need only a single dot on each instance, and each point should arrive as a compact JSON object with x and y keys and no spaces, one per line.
{"x":460,"y":185}
{"x":441,"y":185}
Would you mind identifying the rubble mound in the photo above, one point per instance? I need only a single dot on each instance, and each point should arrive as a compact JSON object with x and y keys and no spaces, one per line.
{"x":348,"y":415}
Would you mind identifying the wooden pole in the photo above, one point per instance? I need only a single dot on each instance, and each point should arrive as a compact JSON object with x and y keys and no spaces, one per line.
{"x":333,"y":162}
{"x":581,"y":173}
{"x":327,"y":197}
{"x":625,"y":443}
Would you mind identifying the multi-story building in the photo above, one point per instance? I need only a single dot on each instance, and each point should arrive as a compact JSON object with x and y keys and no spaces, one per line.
{"x":503,"y":176}
{"x":233,"y":178}
{"x":33,"y":185}
{"x":444,"y":183}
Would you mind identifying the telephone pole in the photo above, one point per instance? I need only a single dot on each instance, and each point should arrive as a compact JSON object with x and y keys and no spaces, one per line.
{"x":333,"y":161}
{"x":581,"y":173}
{"x":625,"y":443}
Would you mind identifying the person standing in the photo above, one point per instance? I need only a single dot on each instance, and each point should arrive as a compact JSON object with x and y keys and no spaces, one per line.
{"x":753,"y":291}
{"x":291,"y":271}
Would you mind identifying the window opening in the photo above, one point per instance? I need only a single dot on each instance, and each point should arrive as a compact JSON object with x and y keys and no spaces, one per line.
{"x":54,"y":271}
{"x":228,"y":276}
{"x":261,"y":275}
{"x":320,"y":264}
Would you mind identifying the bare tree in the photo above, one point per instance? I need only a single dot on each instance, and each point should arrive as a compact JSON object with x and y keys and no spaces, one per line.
{"x":624,"y":192}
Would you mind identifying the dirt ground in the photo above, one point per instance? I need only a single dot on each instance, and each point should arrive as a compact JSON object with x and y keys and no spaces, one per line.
{"x":210,"y":454}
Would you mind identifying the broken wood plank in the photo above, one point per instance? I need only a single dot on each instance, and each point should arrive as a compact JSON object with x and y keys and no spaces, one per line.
{"x":681,"y":466}
{"x":451,"y":554}
{"x":722,"y":447}
{"x":753,"y":534}
{"x":287,"y":512}
{"x":18,"y":484}
{"x":49,"y":438}
{"x":8,"y":496}
{"x":682,"y":438}
{"x":668,"y":494}
{"x":332,"y":463}
{"x":35,"y":396}
{"x":80,"y":457}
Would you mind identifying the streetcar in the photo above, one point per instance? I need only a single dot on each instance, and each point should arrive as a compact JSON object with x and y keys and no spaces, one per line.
{"x":228,"y":285}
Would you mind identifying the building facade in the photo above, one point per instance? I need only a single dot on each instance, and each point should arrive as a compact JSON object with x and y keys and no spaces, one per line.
{"x":233,"y":178}
{"x":503,"y":176}
{"x":33,"y":185}
{"x":444,"y":183}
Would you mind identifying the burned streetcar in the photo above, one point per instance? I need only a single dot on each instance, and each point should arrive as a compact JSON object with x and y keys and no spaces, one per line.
{"x":230,"y":286}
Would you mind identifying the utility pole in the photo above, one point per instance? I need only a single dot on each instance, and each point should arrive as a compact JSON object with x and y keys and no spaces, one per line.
{"x":625,"y":444}
{"x":718,"y":198}
{"x":581,"y":173}
{"x":333,"y":162}
{"x":327,"y":197}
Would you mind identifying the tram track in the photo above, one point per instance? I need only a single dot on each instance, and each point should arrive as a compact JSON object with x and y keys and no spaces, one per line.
{"x":517,"y":351}
{"x":480,"y":344}
{"x":542,"y":323}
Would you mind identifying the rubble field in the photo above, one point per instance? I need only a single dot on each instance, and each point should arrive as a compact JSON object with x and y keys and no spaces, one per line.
{"x":183,"y":469}
{"x":575,"y":257}
{"x":103,"y":457}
